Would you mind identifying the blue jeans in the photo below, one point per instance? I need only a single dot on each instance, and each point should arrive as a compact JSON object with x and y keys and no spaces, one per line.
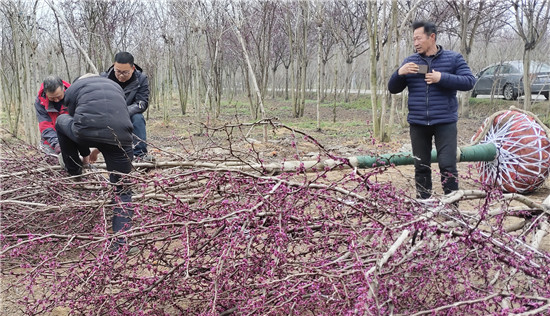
{"x":445,"y":136}
{"x":140,"y":135}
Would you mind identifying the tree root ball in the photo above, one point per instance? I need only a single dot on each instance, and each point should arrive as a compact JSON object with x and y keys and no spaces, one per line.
{"x":523,"y":163}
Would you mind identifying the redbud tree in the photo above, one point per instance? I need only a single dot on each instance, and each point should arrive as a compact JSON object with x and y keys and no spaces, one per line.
{"x":216,"y":233}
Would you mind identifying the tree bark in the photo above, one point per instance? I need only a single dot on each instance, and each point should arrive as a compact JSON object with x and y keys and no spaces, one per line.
{"x":393,"y":32}
{"x":251,"y":72}
{"x":304,"y":57}
{"x":373,"y":34}
{"x":319,"y":58}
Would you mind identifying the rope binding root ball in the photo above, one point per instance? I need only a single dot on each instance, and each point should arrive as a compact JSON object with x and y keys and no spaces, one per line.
{"x":523,"y":151}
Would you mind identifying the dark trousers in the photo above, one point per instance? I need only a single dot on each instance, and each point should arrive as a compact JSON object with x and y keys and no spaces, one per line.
{"x":117,"y":158}
{"x":445,"y":136}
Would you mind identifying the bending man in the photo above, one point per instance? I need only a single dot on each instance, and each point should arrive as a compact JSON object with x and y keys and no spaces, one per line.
{"x":98,"y":117}
{"x":48,"y":106}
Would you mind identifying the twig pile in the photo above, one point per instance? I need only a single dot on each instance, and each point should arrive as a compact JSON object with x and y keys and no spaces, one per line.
{"x":215,"y":241}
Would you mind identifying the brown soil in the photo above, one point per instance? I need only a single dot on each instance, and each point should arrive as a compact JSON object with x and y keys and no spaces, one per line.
{"x":349,"y":136}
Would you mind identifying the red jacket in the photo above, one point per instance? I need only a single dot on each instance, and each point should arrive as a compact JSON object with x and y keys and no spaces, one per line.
{"x":47,"y":113}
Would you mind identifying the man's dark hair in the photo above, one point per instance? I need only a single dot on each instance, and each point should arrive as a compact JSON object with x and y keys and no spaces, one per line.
{"x":51,"y":83}
{"x":429,"y":27}
{"x":124,"y":58}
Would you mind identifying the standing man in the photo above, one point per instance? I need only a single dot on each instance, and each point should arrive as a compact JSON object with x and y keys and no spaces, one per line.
{"x":433,"y":75}
{"x":48,"y":106}
{"x":134,"y":82}
{"x":98,"y":117}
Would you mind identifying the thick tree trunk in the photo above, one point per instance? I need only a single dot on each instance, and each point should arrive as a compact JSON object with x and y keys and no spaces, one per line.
{"x":17,"y":68}
{"x":349,"y":62}
{"x":197,"y":82}
{"x":252,"y":105}
{"x":304,"y":56}
{"x":393,"y":33}
{"x":335,"y":89}
{"x":319,"y":57}
{"x":254,"y":79}
{"x":385,"y":128}
{"x":28,"y":62}
{"x":373,"y":34}
{"x":273,"y":71}
{"x":286,"y":82}
{"x":526,"y":80}
{"x":323,"y":80}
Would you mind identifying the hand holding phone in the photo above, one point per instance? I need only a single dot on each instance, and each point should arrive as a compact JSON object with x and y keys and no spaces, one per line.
{"x":422,"y":69}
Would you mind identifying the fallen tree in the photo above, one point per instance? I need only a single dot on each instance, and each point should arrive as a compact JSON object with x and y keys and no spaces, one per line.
{"x":218,"y":240}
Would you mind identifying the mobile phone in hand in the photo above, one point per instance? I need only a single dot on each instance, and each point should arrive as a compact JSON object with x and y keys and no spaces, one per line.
{"x":422,"y":69}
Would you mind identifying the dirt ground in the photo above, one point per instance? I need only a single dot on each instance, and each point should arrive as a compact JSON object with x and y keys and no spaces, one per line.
{"x":348,"y":136}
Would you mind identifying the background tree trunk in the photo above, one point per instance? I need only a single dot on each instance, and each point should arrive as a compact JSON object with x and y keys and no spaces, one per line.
{"x":304,"y":56}
{"x":372,"y":30}
{"x":238,"y":23}
{"x":319,"y":20}
{"x":22,"y":22}
{"x":532,"y":19}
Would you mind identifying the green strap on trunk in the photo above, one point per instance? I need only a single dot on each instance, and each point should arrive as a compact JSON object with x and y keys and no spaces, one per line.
{"x":480,"y":152}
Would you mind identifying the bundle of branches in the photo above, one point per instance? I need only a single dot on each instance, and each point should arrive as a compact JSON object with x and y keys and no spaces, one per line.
{"x":217,"y":241}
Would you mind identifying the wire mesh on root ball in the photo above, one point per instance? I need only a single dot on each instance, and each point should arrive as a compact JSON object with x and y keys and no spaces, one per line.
{"x":523,"y":160}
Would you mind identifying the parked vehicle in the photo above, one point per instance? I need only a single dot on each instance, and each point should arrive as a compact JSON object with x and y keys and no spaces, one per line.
{"x":506,"y":78}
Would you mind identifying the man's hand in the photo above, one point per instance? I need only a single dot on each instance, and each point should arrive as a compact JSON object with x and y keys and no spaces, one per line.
{"x":408,"y":68}
{"x":135,"y":108}
{"x":92,"y":158}
{"x":433,"y":77}
{"x":57,"y":149}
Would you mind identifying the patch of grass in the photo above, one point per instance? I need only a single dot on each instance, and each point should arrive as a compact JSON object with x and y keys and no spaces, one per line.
{"x":361,"y":103}
{"x":486,"y":107}
{"x":337,"y":129}
{"x":236,"y":106}
{"x":285,"y":108}
{"x":492,"y":103}
{"x":501,"y":103}
{"x":279,"y":107}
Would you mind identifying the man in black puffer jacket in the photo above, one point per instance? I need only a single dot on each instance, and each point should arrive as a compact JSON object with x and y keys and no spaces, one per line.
{"x":433,"y":76}
{"x":130,"y":77}
{"x":98,"y":117}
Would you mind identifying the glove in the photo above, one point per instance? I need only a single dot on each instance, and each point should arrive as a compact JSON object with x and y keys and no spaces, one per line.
{"x":138,"y":107}
{"x":133,"y":109}
{"x":141,"y":106}
{"x":57,"y":149}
